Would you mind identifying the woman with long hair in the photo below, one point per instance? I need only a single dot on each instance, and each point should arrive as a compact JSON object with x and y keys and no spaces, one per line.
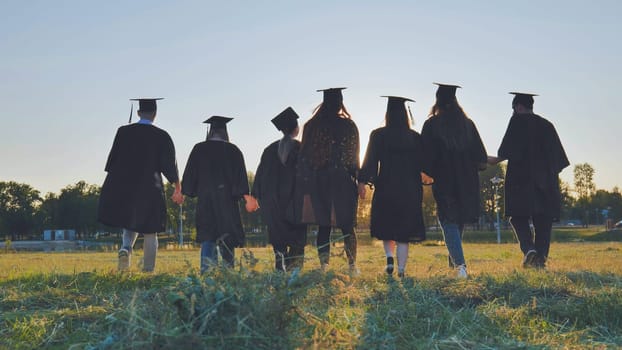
{"x":326,"y":185}
{"x":454,"y":153}
{"x":393,"y":163}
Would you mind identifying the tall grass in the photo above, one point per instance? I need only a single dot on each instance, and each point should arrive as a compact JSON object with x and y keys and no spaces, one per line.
{"x":78,"y":301}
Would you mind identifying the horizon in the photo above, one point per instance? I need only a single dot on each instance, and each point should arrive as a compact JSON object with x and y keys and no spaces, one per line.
{"x":70,"y":68}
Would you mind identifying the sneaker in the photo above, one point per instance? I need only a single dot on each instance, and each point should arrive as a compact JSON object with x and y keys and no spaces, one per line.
{"x":400,"y":273}
{"x":530,"y":258}
{"x":389,"y":268}
{"x":462,"y":271}
{"x":324,"y":267}
{"x":124,"y":259}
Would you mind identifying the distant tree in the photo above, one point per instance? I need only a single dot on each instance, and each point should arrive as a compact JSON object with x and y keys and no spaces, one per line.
{"x":567,"y":200}
{"x":488,"y":195}
{"x":429,"y":207}
{"x":76,"y":208}
{"x":584,"y":180}
{"x":172,"y":212}
{"x":363,"y":212}
{"x":18,"y":207}
{"x":584,"y":187}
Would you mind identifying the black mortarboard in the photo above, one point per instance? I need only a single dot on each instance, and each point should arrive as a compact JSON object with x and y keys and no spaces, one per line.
{"x":397,"y":99}
{"x":286,"y":120}
{"x":525,"y":99}
{"x":332,"y":94}
{"x":218,"y":122}
{"x":145,"y":105}
{"x":446,"y":90}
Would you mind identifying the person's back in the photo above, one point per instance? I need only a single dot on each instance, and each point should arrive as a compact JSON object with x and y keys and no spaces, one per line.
{"x":132,"y":196}
{"x":535,"y":157}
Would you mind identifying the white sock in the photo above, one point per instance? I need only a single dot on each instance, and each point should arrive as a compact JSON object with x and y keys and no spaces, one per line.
{"x":402,"y":255}
{"x":150,"y":249}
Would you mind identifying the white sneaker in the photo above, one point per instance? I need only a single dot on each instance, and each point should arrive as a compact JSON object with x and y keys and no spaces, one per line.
{"x":462,"y":272}
{"x":124,"y":259}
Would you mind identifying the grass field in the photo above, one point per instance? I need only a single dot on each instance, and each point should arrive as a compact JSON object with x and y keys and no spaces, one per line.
{"x":79,"y":301}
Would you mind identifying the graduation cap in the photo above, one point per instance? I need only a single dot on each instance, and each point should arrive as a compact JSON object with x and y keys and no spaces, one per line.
{"x":446,"y":90}
{"x":333,"y":94}
{"x":397,"y":100}
{"x":145,"y":105}
{"x":397,"y":103}
{"x":218,"y":122}
{"x":523,"y":98}
{"x":286,"y":120}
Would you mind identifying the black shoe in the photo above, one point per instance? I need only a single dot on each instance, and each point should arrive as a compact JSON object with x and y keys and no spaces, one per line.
{"x":530,"y":258}
{"x":389,"y":268}
{"x":539,"y":262}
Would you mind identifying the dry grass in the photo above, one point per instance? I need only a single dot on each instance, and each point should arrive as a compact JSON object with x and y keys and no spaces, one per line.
{"x":79,"y":301}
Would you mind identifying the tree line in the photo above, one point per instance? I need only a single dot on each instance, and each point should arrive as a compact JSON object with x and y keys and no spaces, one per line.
{"x":25,"y":213}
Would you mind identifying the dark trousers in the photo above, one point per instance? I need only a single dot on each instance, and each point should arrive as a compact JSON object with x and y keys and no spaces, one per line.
{"x":287,"y":257}
{"x":323,"y":243}
{"x":540,"y":239}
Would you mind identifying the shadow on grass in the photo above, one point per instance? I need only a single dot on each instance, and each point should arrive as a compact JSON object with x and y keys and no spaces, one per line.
{"x":521,"y":310}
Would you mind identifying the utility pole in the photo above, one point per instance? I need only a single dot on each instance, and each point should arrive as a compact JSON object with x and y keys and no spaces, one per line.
{"x":495,"y":182}
{"x":181,"y":225}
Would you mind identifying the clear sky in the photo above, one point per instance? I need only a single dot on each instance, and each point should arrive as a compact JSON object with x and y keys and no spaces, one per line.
{"x":68,"y":68}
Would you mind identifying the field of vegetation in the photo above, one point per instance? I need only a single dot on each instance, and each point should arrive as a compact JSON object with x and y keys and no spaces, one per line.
{"x":79,"y":301}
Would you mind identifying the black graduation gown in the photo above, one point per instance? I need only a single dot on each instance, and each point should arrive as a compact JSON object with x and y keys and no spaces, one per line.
{"x":132,"y":196}
{"x":216,"y":174}
{"x":455,"y":172}
{"x":274,"y":188}
{"x":535,"y":158}
{"x":327,"y":195}
{"x":393,"y":163}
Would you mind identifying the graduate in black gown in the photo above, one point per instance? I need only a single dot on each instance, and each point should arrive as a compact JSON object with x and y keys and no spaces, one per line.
{"x":326,"y":178}
{"x":132,"y":196}
{"x":454,"y":153}
{"x":535,"y":158}
{"x":274,"y":189}
{"x":393,"y":164}
{"x":216,"y":174}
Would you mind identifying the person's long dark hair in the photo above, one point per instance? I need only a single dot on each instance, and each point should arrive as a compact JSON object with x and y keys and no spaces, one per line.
{"x":397,"y":117}
{"x":316,"y":141}
{"x":454,"y":127}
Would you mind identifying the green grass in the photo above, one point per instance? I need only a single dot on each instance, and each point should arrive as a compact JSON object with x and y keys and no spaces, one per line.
{"x":79,"y":301}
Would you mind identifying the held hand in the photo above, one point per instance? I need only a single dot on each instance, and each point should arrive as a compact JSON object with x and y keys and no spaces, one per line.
{"x":251,"y":203}
{"x":426,"y":180}
{"x":362,"y":191}
{"x":177,"y":197}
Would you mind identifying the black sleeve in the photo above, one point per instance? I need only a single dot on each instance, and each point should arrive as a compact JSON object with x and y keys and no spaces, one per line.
{"x":256,"y":191}
{"x":190,"y":181}
{"x":430,"y":150}
{"x":240,"y":178}
{"x":558,"y":154}
{"x":369,"y":170}
{"x":112,"y":156}
{"x":168,"y":162}
{"x":509,"y":146}
{"x":478,"y":151}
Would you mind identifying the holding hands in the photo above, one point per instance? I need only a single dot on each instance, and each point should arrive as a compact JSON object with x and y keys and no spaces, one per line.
{"x":251,"y":203}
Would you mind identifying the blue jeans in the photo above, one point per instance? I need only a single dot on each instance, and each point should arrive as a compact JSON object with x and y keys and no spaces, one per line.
{"x":209,"y":254}
{"x":453,"y":240}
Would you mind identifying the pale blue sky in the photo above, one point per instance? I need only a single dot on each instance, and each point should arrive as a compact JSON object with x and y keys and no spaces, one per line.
{"x":68,"y":68}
